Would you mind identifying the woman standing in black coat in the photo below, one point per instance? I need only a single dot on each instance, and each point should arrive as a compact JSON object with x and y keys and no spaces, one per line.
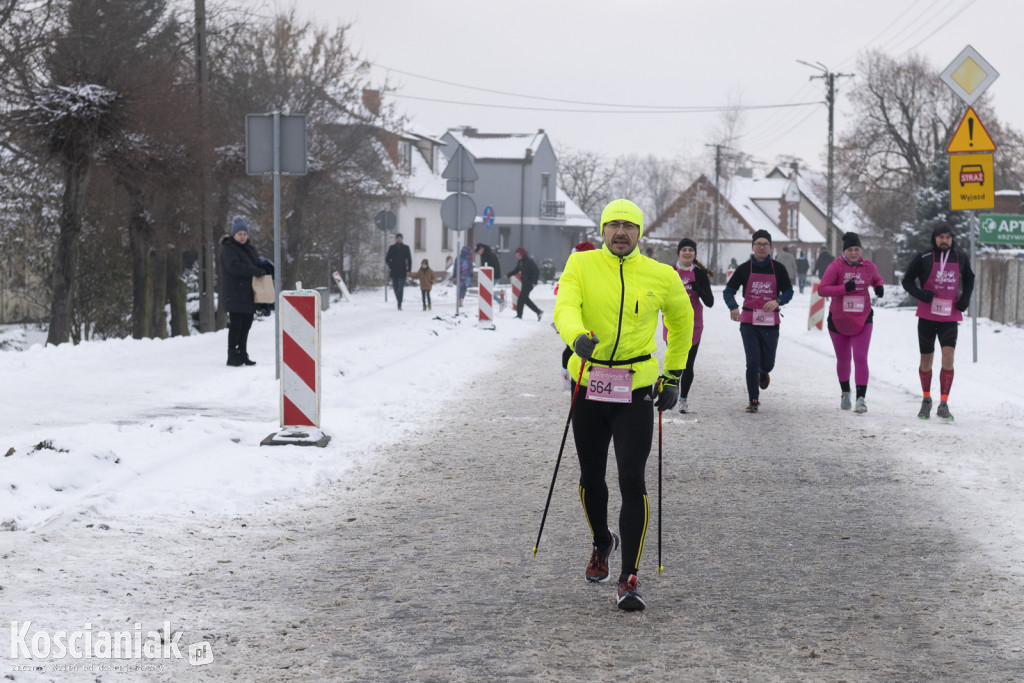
{"x":240,"y":263}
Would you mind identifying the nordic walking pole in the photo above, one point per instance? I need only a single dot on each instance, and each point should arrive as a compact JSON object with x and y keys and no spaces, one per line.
{"x":660,"y":415}
{"x":559,"y":460}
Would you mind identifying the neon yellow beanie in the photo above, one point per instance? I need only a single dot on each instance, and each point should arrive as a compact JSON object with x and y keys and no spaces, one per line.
{"x":622,"y":210}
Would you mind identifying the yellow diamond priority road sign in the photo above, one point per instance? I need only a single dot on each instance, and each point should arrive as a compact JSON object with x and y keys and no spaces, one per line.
{"x":969,"y":75}
{"x":970,"y":182}
{"x":970,"y":136}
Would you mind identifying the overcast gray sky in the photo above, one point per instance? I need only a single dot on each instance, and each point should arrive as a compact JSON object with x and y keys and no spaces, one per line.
{"x":573,"y":54}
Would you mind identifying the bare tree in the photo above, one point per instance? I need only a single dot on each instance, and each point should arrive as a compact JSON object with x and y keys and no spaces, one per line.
{"x":587,"y":178}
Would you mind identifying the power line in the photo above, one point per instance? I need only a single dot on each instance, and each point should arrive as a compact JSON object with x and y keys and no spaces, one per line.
{"x":669,"y":110}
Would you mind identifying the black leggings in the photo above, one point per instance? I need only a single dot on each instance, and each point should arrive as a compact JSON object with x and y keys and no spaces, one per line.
{"x":687,"y":379}
{"x":631,"y":427}
{"x":238,"y":333}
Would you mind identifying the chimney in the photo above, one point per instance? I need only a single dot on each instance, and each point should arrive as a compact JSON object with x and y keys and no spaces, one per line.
{"x":371,"y":100}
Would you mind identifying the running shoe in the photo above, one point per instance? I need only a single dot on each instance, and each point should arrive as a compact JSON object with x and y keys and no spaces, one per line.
{"x":943,"y":413}
{"x":539,"y":314}
{"x":597,"y":569}
{"x":763,"y":380}
{"x":845,"y":404}
{"x":628,"y":596}
{"x":926,"y":408}
{"x":683,"y":407}
{"x":862,"y":406}
{"x":754,"y":405}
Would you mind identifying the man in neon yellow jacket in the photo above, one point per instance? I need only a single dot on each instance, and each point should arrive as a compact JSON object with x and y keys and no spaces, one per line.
{"x":607,"y":311}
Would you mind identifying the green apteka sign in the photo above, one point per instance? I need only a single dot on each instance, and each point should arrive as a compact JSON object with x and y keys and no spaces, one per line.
{"x":999,"y":228}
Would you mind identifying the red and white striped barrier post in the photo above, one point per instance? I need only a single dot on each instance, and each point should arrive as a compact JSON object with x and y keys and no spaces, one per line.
{"x":517,"y":285}
{"x":485,"y":285}
{"x":300,"y":370}
{"x":816,"y":315}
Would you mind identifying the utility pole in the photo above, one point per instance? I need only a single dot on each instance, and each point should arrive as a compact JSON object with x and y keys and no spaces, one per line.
{"x":831,"y":234}
{"x":714,"y":233}
{"x":207,"y":274}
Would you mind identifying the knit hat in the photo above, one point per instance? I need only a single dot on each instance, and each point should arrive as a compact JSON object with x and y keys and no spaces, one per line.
{"x":238,"y":225}
{"x":759,"y":234}
{"x":584,"y":246}
{"x":686,"y":242}
{"x":850,"y":239}
{"x":623,"y":210}
{"x":942,"y":228}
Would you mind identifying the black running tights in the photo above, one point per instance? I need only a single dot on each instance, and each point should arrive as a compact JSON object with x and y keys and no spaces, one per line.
{"x":630,"y":426}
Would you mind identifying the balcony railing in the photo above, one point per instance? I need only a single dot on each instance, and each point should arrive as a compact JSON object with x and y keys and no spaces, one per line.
{"x":549,"y":209}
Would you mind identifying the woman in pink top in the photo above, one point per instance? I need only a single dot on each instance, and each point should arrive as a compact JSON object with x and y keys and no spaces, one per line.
{"x":847,"y":281}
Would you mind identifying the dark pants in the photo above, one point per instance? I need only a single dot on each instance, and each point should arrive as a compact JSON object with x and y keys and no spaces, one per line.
{"x":687,"y":379}
{"x":238,"y":334}
{"x":801,"y":279}
{"x":759,"y":343}
{"x":524,"y":300}
{"x":398,"y":284}
{"x":631,"y":427}
{"x":425,"y":295}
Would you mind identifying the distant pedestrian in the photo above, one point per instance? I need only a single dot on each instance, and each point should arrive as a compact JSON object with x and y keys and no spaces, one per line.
{"x":465,"y":271}
{"x":942,"y":281}
{"x":528,"y":271}
{"x":240,"y":262}
{"x":787,"y":259}
{"x":847,"y":281}
{"x":426,"y":277}
{"x":766,"y":288}
{"x":823,"y":261}
{"x":399,"y":262}
{"x":489,"y":259}
{"x":697,"y":280}
{"x":802,"y":266}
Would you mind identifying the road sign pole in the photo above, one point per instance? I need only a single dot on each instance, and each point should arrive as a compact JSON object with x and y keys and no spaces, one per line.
{"x":278,"y":265}
{"x":458,"y":240}
{"x":975,"y":229}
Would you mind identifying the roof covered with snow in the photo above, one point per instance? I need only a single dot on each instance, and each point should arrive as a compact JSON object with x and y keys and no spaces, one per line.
{"x":498,"y":146}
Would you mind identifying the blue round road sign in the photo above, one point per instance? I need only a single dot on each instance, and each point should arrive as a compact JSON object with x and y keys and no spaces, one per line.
{"x":488,"y":216}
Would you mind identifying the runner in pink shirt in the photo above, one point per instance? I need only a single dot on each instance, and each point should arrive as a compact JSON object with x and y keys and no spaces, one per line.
{"x":847,"y":281}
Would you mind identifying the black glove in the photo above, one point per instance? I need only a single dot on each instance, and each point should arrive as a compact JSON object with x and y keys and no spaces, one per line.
{"x":962,"y":305}
{"x":584,"y":346}
{"x":850,"y":285}
{"x":926,"y":296}
{"x":879,"y":291}
{"x":668,"y":390}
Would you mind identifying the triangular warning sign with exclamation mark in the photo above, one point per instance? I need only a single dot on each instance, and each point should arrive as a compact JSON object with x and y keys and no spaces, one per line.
{"x":970,"y":136}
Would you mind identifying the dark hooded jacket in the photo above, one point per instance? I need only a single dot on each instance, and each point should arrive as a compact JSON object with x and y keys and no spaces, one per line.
{"x":920,"y":269}
{"x":490,"y":259}
{"x":238,"y":264}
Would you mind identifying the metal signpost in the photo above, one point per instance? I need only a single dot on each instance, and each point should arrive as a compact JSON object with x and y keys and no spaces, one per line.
{"x":458,"y":211}
{"x":275,"y":144}
{"x":970,"y":151}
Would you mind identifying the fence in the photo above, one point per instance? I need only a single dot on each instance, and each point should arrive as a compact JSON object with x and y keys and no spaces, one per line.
{"x":999,"y":286}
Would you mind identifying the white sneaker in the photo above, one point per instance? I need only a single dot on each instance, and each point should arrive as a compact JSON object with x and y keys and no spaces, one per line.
{"x":862,"y":406}
{"x":845,"y":404}
{"x":683,"y":406}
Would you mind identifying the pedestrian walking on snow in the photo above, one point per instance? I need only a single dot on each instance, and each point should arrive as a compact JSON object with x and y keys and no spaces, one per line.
{"x":697,"y":280}
{"x":399,"y":262}
{"x":847,"y":281}
{"x":529,"y":273}
{"x":425,"y":275}
{"x":766,"y":288}
{"x":240,"y":262}
{"x":607,"y":311}
{"x":942,"y":281}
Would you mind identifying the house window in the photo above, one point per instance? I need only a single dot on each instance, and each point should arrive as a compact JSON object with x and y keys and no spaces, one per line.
{"x":405,"y":152}
{"x":420,"y":239}
{"x":545,"y":186}
{"x":504,"y":237}
{"x":445,"y":238}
